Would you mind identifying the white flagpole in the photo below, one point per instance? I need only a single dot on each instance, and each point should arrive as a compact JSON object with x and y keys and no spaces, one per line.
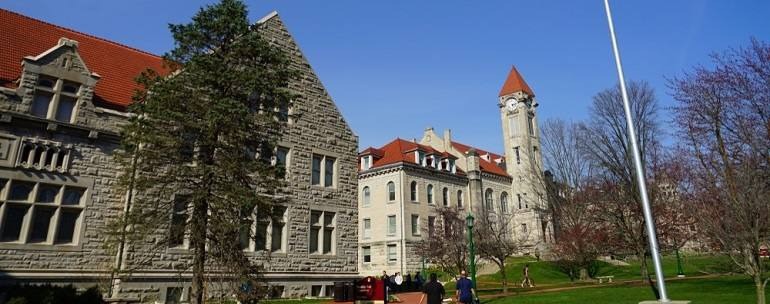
{"x":650,"y":225}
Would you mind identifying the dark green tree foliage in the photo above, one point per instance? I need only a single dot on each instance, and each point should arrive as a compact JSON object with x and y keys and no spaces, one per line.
{"x":197,"y":153}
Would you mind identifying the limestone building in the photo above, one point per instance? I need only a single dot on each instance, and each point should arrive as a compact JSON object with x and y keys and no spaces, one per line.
{"x":63,"y":98}
{"x":403,"y":182}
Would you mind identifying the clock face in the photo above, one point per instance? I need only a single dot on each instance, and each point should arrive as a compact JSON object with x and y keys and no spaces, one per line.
{"x":510,"y":104}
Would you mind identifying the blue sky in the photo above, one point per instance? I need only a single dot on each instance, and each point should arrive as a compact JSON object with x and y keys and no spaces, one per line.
{"x":396,"y":67}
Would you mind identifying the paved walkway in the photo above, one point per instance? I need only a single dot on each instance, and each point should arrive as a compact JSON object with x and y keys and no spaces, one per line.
{"x":406,"y":298}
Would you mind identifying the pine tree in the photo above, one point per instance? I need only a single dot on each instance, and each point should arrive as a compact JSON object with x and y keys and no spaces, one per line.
{"x":197,"y":151}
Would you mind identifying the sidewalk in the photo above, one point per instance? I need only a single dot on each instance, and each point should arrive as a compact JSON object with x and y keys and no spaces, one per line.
{"x":406,"y":298}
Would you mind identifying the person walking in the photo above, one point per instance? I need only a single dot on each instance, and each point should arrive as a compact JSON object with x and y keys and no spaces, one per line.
{"x":433,"y":290}
{"x":408,"y":281}
{"x":526,"y":281}
{"x":465,"y":292}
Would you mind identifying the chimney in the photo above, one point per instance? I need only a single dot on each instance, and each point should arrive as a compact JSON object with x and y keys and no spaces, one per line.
{"x":447,"y":139}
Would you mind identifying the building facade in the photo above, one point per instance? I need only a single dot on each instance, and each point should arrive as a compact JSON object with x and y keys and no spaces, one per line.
{"x":63,"y":99}
{"x":402,"y":183}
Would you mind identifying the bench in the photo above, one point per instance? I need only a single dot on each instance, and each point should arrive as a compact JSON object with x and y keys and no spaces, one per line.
{"x":608,"y":278}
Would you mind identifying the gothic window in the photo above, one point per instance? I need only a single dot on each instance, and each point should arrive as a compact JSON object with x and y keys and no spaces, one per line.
{"x":391,"y":191}
{"x":55,"y":99}
{"x":504,"y":202}
{"x":367,"y":197}
{"x":489,"y":200}
{"x":413,"y":191}
{"x":52,"y":212}
{"x":178,"y":225}
{"x":445,"y":196}
{"x":531,"y":125}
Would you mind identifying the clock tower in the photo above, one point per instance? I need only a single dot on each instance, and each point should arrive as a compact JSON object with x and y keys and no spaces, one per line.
{"x":523,"y":160}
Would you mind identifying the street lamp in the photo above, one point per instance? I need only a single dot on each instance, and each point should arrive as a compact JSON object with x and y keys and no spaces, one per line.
{"x":679,"y":271}
{"x":471,"y":248}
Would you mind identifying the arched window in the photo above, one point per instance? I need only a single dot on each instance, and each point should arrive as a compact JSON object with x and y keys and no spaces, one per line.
{"x":459,"y":198}
{"x":504,"y":202}
{"x":430,"y":194}
{"x":413,"y":191}
{"x":445,"y":197}
{"x":391,"y":191}
{"x":367,"y":196}
{"x":489,"y":199}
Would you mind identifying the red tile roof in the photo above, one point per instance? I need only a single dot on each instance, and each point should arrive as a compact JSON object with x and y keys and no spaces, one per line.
{"x":400,"y":150}
{"x":515,"y":83}
{"x":489,"y":166}
{"x":117,"y":64}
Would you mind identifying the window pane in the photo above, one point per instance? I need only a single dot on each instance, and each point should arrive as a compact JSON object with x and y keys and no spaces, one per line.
{"x":73,"y":196}
{"x":315,"y":178}
{"x":14,"y":216}
{"x":244,"y":234}
{"x":46,"y":82}
{"x":20,"y":191}
{"x":459,"y":198}
{"x":329,"y":219}
{"x":280,"y":156}
{"x":445,"y":196}
{"x":313,"y":248}
{"x":430,"y":194}
{"x":40,"y":104}
{"x":277,"y":237}
{"x":392,"y":224}
{"x":41,"y":221}
{"x":315,"y":218}
{"x":415,"y":224}
{"x":178,"y":222}
{"x":260,"y":238}
{"x":328,"y":234}
{"x":367,"y":253}
{"x":65,"y":108}
{"x":391,"y":191}
{"x":413,"y":191}
{"x":367,"y":196}
{"x":47,"y":193}
{"x":329,"y":172}
{"x":70,"y":87}
{"x":66,"y":230}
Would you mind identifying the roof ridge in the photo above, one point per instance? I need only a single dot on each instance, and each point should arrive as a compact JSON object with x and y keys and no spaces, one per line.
{"x":82,"y":33}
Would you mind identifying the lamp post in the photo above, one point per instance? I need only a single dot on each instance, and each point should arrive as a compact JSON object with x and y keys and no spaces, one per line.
{"x":679,"y":271}
{"x":471,"y":248}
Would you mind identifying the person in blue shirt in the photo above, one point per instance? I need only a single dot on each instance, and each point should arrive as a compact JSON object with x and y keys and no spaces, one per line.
{"x":465,"y":291}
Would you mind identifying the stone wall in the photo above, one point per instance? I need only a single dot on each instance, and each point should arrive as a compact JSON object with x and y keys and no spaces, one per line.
{"x":316,"y":127}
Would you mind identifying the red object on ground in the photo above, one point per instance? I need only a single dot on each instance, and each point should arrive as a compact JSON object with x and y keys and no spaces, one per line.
{"x":370,"y":290}
{"x":763,"y":252}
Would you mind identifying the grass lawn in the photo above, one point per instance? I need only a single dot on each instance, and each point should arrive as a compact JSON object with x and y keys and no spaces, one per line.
{"x":728,"y":289}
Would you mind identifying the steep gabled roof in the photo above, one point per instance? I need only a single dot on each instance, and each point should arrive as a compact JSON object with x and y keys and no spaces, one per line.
{"x":515,"y":83}
{"x":117,"y":64}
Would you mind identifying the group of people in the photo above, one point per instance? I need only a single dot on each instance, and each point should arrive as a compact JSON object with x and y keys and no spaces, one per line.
{"x":434,"y":290}
{"x":398,"y":283}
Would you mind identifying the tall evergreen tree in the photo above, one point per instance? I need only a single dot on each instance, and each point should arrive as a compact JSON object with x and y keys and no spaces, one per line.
{"x":198,"y":153}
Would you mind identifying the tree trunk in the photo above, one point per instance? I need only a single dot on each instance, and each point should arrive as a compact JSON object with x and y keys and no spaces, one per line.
{"x":198,"y":227}
{"x":505,"y":280}
{"x":643,"y":266}
{"x":760,"y":289}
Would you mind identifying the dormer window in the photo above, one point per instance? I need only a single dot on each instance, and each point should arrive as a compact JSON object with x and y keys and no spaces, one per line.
{"x":420,"y":158}
{"x":366,"y":162}
{"x":429,"y":161}
{"x":55,"y":99}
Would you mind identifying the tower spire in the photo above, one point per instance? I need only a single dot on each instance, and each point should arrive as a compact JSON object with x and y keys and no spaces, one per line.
{"x":515,"y":83}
